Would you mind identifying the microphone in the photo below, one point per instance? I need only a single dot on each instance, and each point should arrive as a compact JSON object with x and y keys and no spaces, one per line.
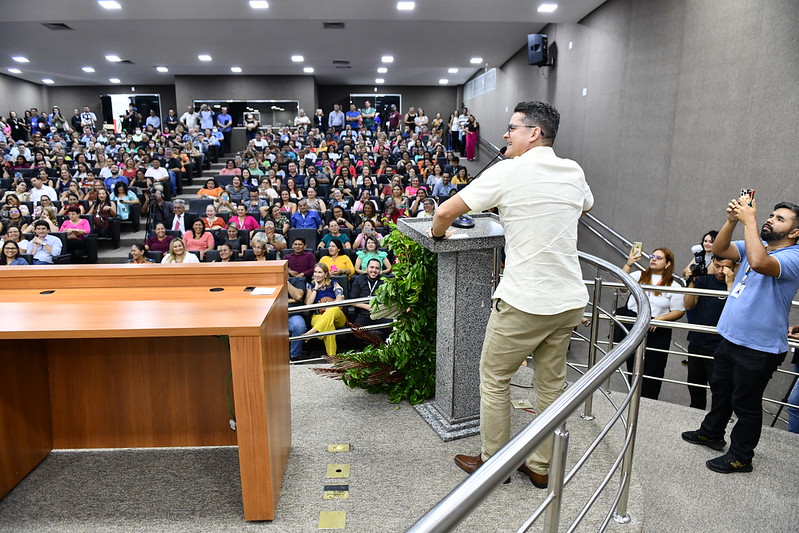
{"x":501,"y":152}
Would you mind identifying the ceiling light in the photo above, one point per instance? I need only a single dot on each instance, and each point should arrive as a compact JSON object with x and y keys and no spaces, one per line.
{"x":109,"y":4}
{"x":15,"y":71}
{"x":88,"y":69}
{"x":380,"y":80}
{"x":443,"y":81}
{"x":476,"y":60}
{"x":297,"y":59}
{"x":204,"y":57}
{"x":452,"y":70}
{"x":20,"y":59}
{"x":114,"y":80}
{"x":162,"y":69}
{"x":113,"y":58}
{"x":308,"y":70}
{"x":406,"y":6}
{"x":48,"y":81}
{"x":382,"y":70}
{"x":547,"y":8}
{"x":387,"y":59}
{"x":235,"y":69}
{"x":259,"y":4}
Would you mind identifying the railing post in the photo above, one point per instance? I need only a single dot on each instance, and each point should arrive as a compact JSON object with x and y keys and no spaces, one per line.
{"x":614,"y":306}
{"x":620,"y":515}
{"x":557,"y":474}
{"x":588,"y":411}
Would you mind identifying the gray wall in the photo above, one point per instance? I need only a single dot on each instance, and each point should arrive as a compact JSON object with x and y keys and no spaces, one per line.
{"x":20,"y":95}
{"x":687,"y":102}
{"x":301,"y":88}
{"x":432,"y":99}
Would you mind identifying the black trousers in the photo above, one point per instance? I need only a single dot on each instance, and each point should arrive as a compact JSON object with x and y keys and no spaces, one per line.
{"x":740,"y":376}
{"x":654,"y":362}
{"x":699,"y":371}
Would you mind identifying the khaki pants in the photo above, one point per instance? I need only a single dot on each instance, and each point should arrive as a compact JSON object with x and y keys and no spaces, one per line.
{"x":332,"y":318}
{"x":511,"y":335}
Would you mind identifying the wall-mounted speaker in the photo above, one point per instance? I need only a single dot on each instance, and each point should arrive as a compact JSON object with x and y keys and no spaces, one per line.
{"x":537,"y":53}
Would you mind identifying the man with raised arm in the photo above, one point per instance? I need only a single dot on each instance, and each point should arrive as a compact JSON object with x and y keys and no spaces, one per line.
{"x":753,"y":327}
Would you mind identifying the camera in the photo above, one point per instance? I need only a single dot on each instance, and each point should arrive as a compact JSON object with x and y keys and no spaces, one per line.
{"x":699,"y":268}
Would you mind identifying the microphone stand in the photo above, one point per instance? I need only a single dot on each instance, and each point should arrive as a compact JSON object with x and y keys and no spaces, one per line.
{"x":501,"y":152}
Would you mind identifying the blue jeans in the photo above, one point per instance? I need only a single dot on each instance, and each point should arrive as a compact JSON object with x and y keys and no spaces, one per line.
{"x":793,"y":412}
{"x":297,"y":327}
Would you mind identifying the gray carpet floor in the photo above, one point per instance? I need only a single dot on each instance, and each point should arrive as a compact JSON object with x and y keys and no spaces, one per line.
{"x":399,"y":469}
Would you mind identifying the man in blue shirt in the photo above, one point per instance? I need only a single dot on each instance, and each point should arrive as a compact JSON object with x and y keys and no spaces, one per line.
{"x":225,"y":124}
{"x":43,"y":247}
{"x":354,"y":117}
{"x":753,"y":327}
{"x":305,"y":218}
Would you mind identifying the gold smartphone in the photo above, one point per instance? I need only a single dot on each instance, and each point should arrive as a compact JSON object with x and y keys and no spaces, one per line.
{"x":638,"y":248}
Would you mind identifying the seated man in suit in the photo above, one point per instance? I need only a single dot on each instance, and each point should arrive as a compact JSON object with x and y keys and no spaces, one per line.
{"x":181,"y":220}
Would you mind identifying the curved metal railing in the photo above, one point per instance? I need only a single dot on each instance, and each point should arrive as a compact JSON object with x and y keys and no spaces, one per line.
{"x":470,"y":493}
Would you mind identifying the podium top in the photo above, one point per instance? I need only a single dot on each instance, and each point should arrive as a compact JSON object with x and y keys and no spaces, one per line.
{"x":486,"y":233}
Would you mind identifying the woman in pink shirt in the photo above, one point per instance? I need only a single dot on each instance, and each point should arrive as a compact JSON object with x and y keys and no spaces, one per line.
{"x":230,"y":169}
{"x":243,"y":220}
{"x":76,"y":229}
{"x":198,"y":239}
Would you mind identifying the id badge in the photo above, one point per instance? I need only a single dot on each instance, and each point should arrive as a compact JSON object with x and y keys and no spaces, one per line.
{"x":737,"y":290}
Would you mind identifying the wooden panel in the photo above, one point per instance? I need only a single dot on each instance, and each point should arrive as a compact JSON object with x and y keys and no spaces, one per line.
{"x":113,"y":393}
{"x":263,"y":413}
{"x":156,"y":276}
{"x":25,"y":433}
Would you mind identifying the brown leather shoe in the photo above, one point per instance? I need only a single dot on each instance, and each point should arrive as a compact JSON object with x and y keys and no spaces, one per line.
{"x":470,"y":463}
{"x":540,"y":481}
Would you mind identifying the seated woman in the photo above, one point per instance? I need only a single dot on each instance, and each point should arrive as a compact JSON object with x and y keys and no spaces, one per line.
{"x":334,"y":232}
{"x":198,"y":239}
{"x":287,"y":207}
{"x":367,"y":230}
{"x":231,"y":238}
{"x":14,"y":233}
{"x":369,"y":214}
{"x":237,"y":192}
{"x":72,"y":201}
{"x":11,"y":255}
{"x":12,"y":200}
{"x":294,"y":191}
{"x":159,"y":240}
{"x":282,"y":224}
{"x":258,"y":250}
{"x":225,"y":253}
{"x":124,"y":198}
{"x":141,"y":181}
{"x":461,"y":176}
{"x":103,"y":210}
{"x":230,"y":169}
{"x":314,"y":202}
{"x":211,"y":190}
{"x":14,"y":219}
{"x":137,"y":255}
{"x":243,"y":220}
{"x":338,"y":214}
{"x":323,"y":289}
{"x":76,"y":229}
{"x":338,"y":263}
{"x":44,"y":201}
{"x":212,"y":221}
{"x":178,"y":254}
{"x":273,"y":240}
{"x":223,"y":203}
{"x":371,"y":251}
{"x":666,"y":306}
{"x":266,"y":190}
{"x":413,"y":188}
{"x":47,"y":214}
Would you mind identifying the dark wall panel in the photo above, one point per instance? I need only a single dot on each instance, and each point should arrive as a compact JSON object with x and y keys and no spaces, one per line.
{"x":432,"y":99}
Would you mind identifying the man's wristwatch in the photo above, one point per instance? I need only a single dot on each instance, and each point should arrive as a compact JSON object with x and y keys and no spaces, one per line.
{"x":438,"y":237}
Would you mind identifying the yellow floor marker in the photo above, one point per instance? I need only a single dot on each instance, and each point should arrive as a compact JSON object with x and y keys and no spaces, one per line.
{"x":332,"y":519}
{"x":333,"y":448}
{"x":337,"y":470}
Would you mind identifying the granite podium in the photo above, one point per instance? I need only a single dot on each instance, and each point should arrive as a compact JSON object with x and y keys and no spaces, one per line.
{"x":467,"y":274}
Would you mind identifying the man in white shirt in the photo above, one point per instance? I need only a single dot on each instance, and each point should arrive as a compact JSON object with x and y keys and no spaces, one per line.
{"x":39,"y":189}
{"x":88,"y":119}
{"x":159,"y":175}
{"x":335,"y":119}
{"x":542,"y":296}
{"x":190,"y":119}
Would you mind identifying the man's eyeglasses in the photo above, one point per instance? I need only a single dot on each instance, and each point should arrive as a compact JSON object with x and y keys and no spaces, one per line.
{"x":512,"y":127}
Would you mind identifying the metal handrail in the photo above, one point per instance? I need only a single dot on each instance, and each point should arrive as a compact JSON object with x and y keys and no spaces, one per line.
{"x":466,"y":496}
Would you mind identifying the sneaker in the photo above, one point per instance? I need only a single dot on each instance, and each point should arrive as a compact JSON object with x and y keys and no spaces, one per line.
{"x":695,"y":437}
{"x":728,"y":465}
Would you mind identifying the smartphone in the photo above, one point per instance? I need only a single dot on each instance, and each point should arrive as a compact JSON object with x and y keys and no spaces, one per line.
{"x":749,"y":193}
{"x":638,"y":248}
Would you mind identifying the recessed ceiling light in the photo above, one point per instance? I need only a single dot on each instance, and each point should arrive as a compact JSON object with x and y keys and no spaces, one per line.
{"x":113,"y":58}
{"x":387,"y":59}
{"x":114,"y":80}
{"x":88,"y":69}
{"x":443,"y":81}
{"x":20,"y":59}
{"x":406,"y":6}
{"x":308,"y":70}
{"x":235,"y":69}
{"x":48,"y":81}
{"x":109,"y":4}
{"x":259,"y":4}
{"x":13,"y":70}
{"x":547,"y":8}
{"x":297,"y":59}
{"x":204,"y":57}
{"x":162,"y":69}
{"x":380,"y":80}
{"x":476,"y":60}
{"x":452,"y":70}
{"x":382,"y":70}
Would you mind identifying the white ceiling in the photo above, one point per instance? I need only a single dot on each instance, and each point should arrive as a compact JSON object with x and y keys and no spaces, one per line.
{"x":437,"y":35}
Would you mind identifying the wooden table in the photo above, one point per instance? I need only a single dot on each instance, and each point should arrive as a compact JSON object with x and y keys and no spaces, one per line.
{"x":140,"y":356}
